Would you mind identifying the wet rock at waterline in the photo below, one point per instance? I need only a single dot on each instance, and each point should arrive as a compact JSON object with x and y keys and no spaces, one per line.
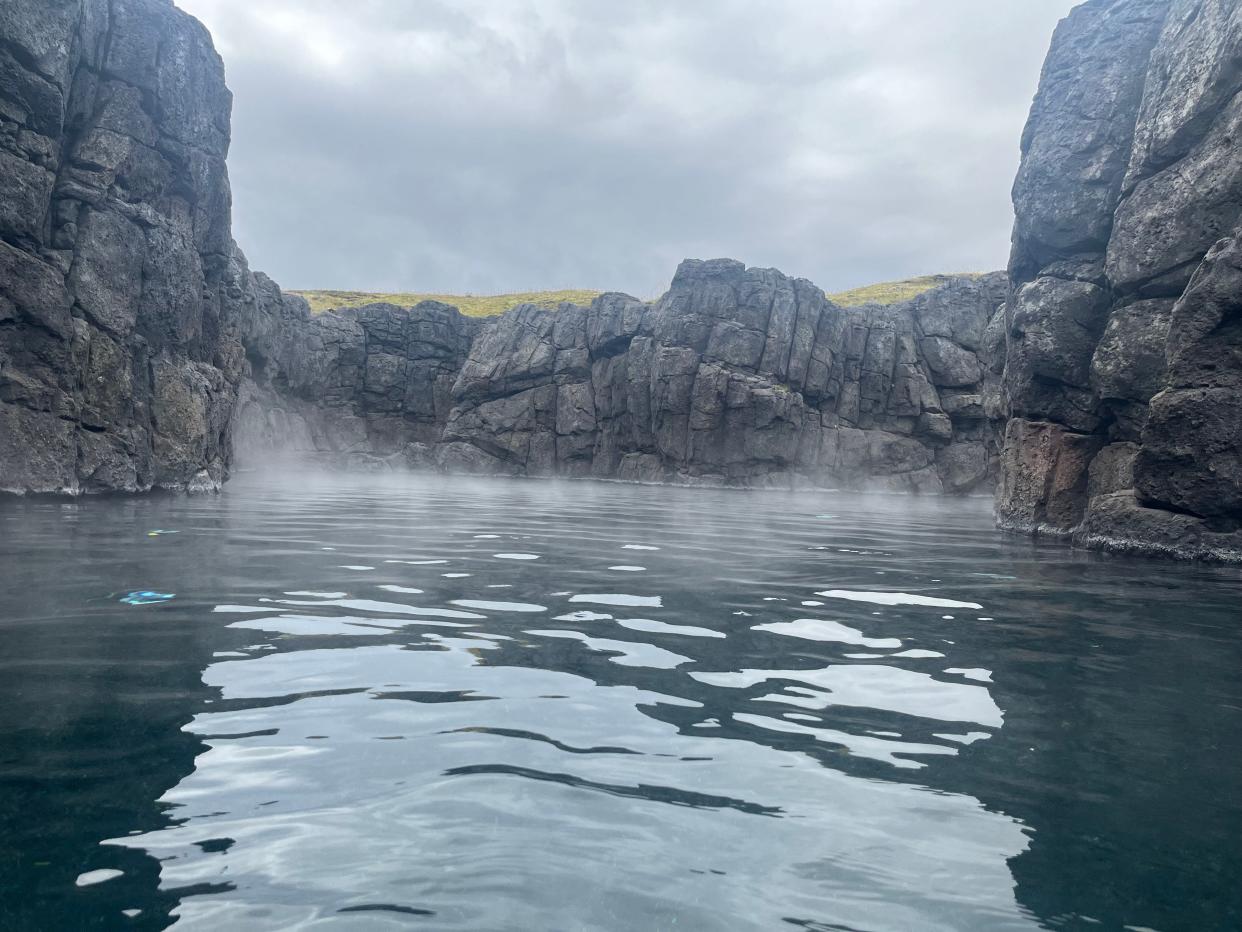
{"x":1123,"y":367}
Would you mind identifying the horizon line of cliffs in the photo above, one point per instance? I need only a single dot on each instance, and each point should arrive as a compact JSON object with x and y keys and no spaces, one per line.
{"x":735,"y":376}
{"x":1097,"y":385}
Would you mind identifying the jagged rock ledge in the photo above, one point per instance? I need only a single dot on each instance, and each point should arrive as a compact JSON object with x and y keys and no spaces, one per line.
{"x":121,"y":290}
{"x":136,"y":345}
{"x":736,"y":376}
{"x":1124,"y":325}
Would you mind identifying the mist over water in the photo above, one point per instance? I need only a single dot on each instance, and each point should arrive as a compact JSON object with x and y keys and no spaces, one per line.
{"x":381,"y":702}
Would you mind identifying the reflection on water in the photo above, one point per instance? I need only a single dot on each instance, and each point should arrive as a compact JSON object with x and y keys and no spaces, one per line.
{"x":453,"y":705}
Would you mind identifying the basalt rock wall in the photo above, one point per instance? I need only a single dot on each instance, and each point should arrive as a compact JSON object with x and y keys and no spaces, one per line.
{"x":137,"y":348}
{"x":1102,"y":380}
{"x":1124,"y":327}
{"x":367,"y":387}
{"x":120,"y":286}
{"x":736,"y":376}
{"x":739,"y":376}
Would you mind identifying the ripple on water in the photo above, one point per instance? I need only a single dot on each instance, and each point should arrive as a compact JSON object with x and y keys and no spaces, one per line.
{"x":516,"y":556}
{"x":894,"y":752}
{"x":627,"y":653}
{"x":323,"y":625}
{"x":485,"y":606}
{"x":895,"y":598}
{"x":660,"y":627}
{"x":976,"y":674}
{"x":819,"y":629}
{"x":373,"y":605}
{"x":398,"y":752}
{"x":874,"y":686}
{"x":619,"y":598}
{"x":583,"y":616}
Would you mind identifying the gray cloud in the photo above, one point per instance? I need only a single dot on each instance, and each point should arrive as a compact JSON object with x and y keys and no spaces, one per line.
{"x":498,"y":145}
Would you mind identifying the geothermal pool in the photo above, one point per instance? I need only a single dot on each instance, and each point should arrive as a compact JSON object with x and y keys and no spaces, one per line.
{"x":391,"y":703}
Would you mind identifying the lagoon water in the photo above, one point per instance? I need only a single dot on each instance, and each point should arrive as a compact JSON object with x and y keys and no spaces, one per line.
{"x":395,"y":703}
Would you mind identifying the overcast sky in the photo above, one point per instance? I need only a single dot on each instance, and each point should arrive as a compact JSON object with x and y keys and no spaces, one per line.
{"x":501,"y":145}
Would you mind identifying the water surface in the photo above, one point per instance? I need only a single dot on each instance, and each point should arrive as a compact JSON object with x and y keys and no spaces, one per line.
{"x":376,"y":703}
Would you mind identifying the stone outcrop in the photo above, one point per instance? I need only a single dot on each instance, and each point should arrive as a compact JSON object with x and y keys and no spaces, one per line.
{"x":120,"y":285}
{"x":1102,"y":380}
{"x":136,"y":347}
{"x":1124,"y":328}
{"x":361,"y":385}
{"x":736,"y":376}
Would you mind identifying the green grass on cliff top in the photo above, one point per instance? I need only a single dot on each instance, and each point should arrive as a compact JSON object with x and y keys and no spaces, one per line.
{"x":469,"y":304}
{"x":491,"y":305}
{"x":893,"y":292}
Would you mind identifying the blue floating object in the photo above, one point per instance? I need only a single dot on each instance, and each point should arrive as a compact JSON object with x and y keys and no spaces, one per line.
{"x":146,"y":597}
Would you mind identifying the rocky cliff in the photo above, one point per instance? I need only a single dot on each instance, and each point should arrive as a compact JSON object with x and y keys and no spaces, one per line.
{"x":1103,"y":380}
{"x":736,"y":376}
{"x":367,"y":387}
{"x":120,"y":286}
{"x":136,"y":346}
{"x":1124,"y":328}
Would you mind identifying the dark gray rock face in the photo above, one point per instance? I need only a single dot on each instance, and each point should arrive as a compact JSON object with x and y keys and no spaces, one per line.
{"x":736,"y":376}
{"x":136,"y":347}
{"x":1190,"y":460}
{"x":359,"y":385}
{"x":120,"y":286}
{"x":1124,"y":327}
{"x":1102,"y":380}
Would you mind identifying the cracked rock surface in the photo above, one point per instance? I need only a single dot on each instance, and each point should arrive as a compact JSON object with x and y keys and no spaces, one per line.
{"x":1124,"y":329}
{"x":120,"y":286}
{"x":1097,"y":385}
{"x":736,"y":376}
{"x":136,"y":347}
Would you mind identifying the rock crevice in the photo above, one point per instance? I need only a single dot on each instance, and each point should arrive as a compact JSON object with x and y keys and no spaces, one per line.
{"x":1124,"y":365}
{"x":735,"y":376}
{"x":1097,"y":385}
{"x":121,"y":290}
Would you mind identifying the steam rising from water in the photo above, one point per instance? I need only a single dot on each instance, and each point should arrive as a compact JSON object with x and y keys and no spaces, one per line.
{"x":775,"y":717}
